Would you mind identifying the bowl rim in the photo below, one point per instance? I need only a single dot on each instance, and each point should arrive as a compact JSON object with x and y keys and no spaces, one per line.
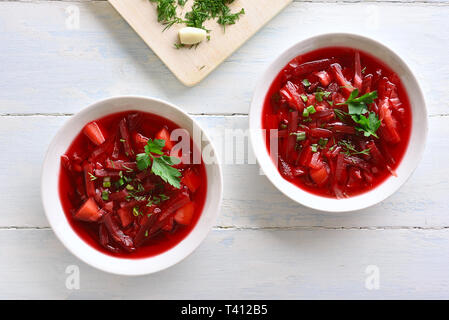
{"x":290,"y":190}
{"x":111,"y":269}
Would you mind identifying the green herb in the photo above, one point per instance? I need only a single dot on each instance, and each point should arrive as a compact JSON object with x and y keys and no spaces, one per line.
{"x":156,"y":200}
{"x":179,"y":45}
{"x":300,"y":135}
{"x":305,"y":113}
{"x":92,"y":177}
{"x":311,"y":109}
{"x":363,"y":70}
{"x":368,"y":125}
{"x":136,"y":212}
{"x":164,"y":197}
{"x":201,"y":11}
{"x":107,"y":182}
{"x":340,"y":114}
{"x":120,"y":182}
{"x":140,"y":188}
{"x":319,"y":95}
{"x":105,"y":195}
{"x":166,"y":11}
{"x":146,"y":233}
{"x":129,"y":187}
{"x":129,"y":170}
{"x":314,"y":147}
{"x":304,"y":98}
{"x":283,"y":126}
{"x":350,"y":150}
{"x":306,"y":82}
{"x":160,"y":166}
{"x":122,"y":140}
{"x":358,"y":107}
{"x":322,"y":142}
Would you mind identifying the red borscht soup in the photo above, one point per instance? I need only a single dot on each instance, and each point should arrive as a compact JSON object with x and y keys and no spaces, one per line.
{"x":127,"y":189}
{"x":341,"y":120}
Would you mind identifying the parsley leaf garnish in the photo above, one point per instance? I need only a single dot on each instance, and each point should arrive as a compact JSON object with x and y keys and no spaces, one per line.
{"x":368,"y":125}
{"x":358,"y":107}
{"x":160,"y":165}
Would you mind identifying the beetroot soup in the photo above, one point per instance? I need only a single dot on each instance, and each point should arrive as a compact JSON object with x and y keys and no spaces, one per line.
{"x":123,"y":191}
{"x":342,"y":122}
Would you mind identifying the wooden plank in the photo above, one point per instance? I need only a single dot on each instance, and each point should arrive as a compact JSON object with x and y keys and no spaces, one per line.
{"x":192,"y":66}
{"x":47,"y":68}
{"x":250,"y":201}
{"x":263,"y":264}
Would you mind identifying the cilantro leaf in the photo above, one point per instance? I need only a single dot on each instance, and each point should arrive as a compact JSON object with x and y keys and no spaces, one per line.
{"x":167,"y":173}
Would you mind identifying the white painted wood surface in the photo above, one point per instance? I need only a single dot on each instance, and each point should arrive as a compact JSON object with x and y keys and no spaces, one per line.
{"x":264,"y":245}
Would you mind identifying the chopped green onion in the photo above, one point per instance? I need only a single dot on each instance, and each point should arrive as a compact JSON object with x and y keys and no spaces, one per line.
{"x":107,"y":182}
{"x":311,"y":109}
{"x":146,"y":233}
{"x":283,"y":126}
{"x":322,"y":142}
{"x":92,"y":177}
{"x":314,"y":147}
{"x":305,"y":113}
{"x":120,"y":182}
{"x":306,"y":82}
{"x":319,"y":95}
{"x":129,"y":187}
{"x":105,"y":195}
{"x":300,"y":135}
{"x":304,"y":98}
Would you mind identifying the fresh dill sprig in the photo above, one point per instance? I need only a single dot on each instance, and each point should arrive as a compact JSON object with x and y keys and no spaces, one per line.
{"x":350,"y":150}
{"x":201,"y":11}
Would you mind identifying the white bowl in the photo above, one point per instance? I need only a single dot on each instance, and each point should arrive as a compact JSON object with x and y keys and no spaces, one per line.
{"x":417,"y":139}
{"x":58,"y":220}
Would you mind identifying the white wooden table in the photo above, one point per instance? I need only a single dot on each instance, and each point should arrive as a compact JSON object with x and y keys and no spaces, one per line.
{"x":264,"y":245}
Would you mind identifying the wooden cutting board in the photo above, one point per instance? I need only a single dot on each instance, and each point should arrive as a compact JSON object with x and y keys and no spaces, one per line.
{"x":190,"y":66}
